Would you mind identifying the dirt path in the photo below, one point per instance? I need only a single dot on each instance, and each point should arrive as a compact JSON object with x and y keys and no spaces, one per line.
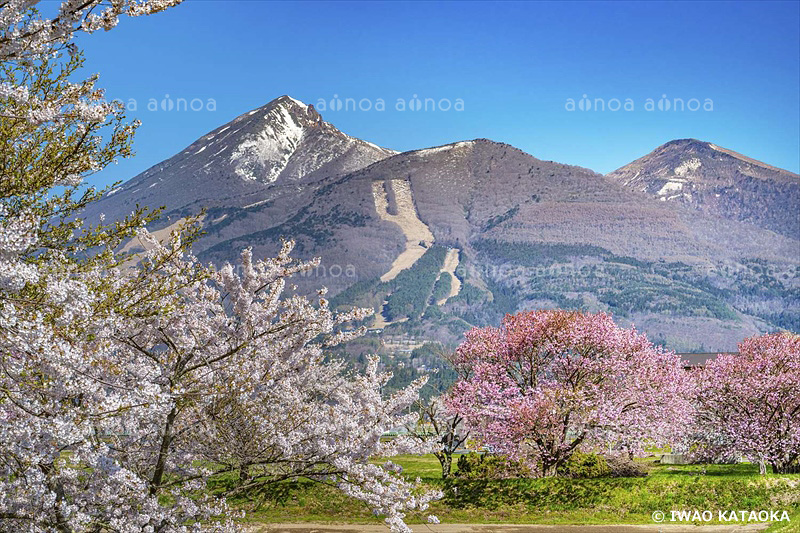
{"x":415,"y":230}
{"x":450,"y":266}
{"x":505,"y":528}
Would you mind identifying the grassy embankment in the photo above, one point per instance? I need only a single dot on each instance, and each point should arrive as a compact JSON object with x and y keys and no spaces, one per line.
{"x":553,"y":500}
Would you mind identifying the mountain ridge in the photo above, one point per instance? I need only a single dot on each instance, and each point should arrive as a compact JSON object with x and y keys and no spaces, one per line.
{"x":517,"y":232}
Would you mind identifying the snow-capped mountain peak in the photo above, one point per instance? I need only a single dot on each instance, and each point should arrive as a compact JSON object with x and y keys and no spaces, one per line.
{"x":285,"y":142}
{"x":264,"y":154}
{"x":289,"y":138}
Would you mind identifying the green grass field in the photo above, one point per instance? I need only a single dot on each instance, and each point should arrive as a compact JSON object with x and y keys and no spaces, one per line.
{"x":551,"y":500}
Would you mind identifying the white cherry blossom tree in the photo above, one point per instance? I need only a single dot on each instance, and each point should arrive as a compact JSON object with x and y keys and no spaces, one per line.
{"x":124,"y":389}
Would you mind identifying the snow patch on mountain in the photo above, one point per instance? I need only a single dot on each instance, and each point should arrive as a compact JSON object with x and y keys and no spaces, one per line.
{"x":264,"y":156}
{"x":445,"y":148}
{"x":670,"y":186}
{"x":255,"y":204}
{"x":298,"y":102}
{"x":687,"y":166}
{"x":381,"y":148}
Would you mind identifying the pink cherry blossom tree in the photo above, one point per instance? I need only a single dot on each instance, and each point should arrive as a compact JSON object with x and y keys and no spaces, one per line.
{"x":547,"y":382}
{"x":749,"y":403}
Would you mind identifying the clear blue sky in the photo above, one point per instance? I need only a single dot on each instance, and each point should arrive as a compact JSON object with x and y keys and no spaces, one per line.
{"x":513,"y":64}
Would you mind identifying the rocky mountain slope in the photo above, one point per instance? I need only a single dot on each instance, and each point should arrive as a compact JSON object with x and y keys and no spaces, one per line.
{"x":719,"y":181}
{"x":276,"y":151}
{"x":440,"y":239}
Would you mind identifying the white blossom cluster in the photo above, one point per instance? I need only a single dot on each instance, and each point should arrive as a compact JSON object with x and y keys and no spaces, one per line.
{"x":123,"y":389}
{"x":105,"y":414}
{"x":17,"y":234}
{"x":23,"y":34}
{"x":76,"y":102}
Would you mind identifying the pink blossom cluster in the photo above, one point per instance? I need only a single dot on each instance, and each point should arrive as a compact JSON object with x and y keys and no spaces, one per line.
{"x":749,"y":403}
{"x":545,"y":383}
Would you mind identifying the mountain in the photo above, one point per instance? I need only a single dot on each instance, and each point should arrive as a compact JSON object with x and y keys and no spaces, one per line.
{"x":719,"y":181}
{"x":281,"y":148}
{"x":532,"y":233}
{"x":441,"y":239}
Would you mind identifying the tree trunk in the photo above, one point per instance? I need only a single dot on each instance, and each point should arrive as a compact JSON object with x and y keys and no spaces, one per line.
{"x":244,"y":473}
{"x":447,"y":465}
{"x":762,"y":467}
{"x":57,"y":488}
{"x":446,"y":460}
{"x":166,"y":441}
{"x":550,"y":468}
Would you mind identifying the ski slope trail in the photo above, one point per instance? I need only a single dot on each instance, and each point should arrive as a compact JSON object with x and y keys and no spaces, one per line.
{"x":418,"y":236}
{"x":450,"y":266}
